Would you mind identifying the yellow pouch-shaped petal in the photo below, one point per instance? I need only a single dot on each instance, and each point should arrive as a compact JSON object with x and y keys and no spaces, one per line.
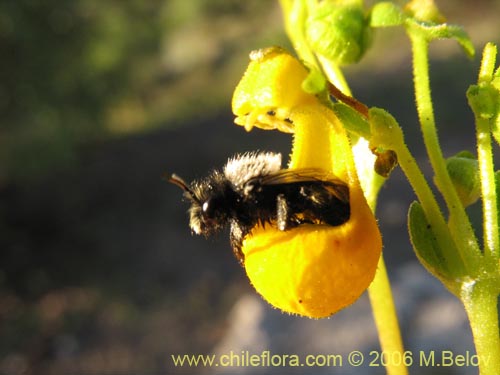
{"x":314,"y":270}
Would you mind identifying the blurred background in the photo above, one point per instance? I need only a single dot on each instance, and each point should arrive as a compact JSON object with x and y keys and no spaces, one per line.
{"x":99,"y":273}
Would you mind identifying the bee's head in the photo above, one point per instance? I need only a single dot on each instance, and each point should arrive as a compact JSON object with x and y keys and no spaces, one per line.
{"x":209,"y":211}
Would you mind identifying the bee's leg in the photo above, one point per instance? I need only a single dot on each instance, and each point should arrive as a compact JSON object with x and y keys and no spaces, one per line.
{"x":281,"y":212}
{"x":236,"y":237}
{"x":284,"y":220}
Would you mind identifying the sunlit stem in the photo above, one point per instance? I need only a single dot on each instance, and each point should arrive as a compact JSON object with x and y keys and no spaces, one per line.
{"x":488,"y":188}
{"x":295,"y":14}
{"x":480,"y":300}
{"x":386,"y":320}
{"x":431,"y":208}
{"x":486,"y":167}
{"x":467,"y":244}
{"x":335,"y":75}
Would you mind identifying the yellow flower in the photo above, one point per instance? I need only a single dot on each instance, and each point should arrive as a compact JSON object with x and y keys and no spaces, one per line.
{"x":311,"y":270}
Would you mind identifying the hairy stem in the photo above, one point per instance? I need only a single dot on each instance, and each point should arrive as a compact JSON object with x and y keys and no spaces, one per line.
{"x":486,"y":167}
{"x":480,"y":300}
{"x":466,"y":241}
{"x":386,"y":320}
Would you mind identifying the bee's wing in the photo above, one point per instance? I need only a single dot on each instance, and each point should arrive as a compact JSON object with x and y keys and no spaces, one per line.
{"x":327,"y":180}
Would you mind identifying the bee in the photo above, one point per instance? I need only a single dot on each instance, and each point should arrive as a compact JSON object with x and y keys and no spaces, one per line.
{"x":252,"y":190}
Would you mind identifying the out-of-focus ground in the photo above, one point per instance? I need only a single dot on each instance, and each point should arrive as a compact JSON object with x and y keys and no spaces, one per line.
{"x":99,"y":273}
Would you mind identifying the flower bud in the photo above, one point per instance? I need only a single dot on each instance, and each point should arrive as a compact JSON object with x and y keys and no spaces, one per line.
{"x":464,"y":173}
{"x":339,"y":31}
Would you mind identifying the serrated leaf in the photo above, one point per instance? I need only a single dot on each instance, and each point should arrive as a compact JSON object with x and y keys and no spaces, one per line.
{"x":386,"y":14}
{"x":424,"y":241}
{"x":444,"y":31}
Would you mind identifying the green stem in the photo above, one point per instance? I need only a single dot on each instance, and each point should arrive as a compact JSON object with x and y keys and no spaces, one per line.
{"x":386,"y":320}
{"x":480,"y":300}
{"x":485,"y":159}
{"x":295,"y":14}
{"x":488,"y":188}
{"x":335,"y":75}
{"x":431,"y":208}
{"x":466,"y":241}
{"x":384,"y":310}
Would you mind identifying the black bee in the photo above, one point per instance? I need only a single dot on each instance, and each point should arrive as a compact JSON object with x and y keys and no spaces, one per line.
{"x":253,"y":189}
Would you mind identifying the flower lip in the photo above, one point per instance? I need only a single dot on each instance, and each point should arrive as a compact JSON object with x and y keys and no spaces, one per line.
{"x":266,"y":119}
{"x":269,"y":90}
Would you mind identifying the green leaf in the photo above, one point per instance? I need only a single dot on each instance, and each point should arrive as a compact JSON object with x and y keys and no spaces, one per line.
{"x":424,"y":242}
{"x":386,"y":14}
{"x":434,"y":31}
{"x":352,"y":120}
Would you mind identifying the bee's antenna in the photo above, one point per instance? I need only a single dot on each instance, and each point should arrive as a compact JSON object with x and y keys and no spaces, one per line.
{"x":176,"y":180}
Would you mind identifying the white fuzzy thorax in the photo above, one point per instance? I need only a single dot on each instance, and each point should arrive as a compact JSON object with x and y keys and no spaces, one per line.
{"x":242,"y":168}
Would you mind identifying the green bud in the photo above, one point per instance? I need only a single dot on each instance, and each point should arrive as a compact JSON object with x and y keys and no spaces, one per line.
{"x":424,"y":10}
{"x":464,"y":173}
{"x":484,"y":100}
{"x":339,"y":31}
{"x":386,"y":14}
